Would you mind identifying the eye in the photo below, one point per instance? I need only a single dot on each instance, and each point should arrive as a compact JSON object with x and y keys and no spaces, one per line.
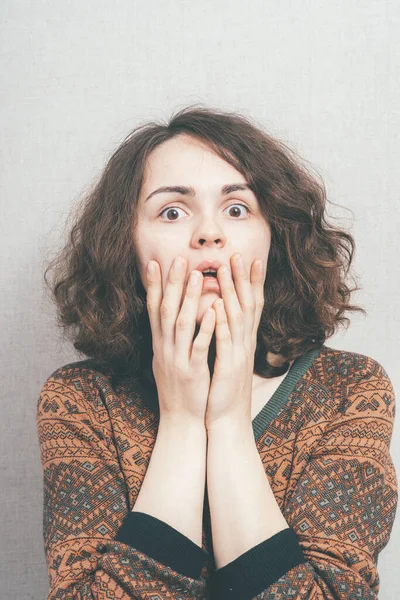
{"x":175,"y":208}
{"x":242,"y":205}
{"x":168,"y":209}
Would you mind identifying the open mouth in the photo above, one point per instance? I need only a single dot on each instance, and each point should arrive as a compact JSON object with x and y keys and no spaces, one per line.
{"x":210,"y":274}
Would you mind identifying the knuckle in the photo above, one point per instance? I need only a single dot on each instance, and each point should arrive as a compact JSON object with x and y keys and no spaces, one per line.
{"x":199,"y":345}
{"x":151,"y":305}
{"x":174,"y":279}
{"x":182,"y":369}
{"x":165,"y":310}
{"x":260,"y":304}
{"x":181,"y":323}
{"x":238,"y":318}
{"x":225,"y":325}
{"x":247,"y":306}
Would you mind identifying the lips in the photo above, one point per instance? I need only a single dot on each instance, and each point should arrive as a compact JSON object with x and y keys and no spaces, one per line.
{"x":211,"y":284}
{"x":209,"y":264}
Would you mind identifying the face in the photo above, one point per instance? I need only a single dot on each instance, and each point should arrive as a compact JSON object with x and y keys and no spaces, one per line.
{"x":210,"y":225}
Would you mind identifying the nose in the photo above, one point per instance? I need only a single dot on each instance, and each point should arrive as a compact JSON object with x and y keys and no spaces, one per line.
{"x":208,"y":233}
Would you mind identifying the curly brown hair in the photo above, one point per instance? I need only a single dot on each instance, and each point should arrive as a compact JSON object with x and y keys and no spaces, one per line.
{"x":97,"y":289}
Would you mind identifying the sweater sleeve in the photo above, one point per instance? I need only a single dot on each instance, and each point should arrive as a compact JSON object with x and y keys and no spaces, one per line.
{"x":340,"y":514}
{"x":95,"y":547}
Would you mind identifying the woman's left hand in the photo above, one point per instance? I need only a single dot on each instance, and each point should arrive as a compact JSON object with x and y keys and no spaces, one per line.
{"x":236,"y":325}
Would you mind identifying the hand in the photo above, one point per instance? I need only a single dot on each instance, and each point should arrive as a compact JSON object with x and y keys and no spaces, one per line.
{"x":180,"y":365}
{"x":238,"y":315}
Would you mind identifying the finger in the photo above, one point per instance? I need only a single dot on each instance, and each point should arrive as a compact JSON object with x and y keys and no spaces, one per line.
{"x":232,"y":305}
{"x":202,"y":342}
{"x":222,"y":334}
{"x":186,"y":321}
{"x":257,"y":282}
{"x":171,"y":302}
{"x":250,"y":291}
{"x":153,"y":300}
{"x":244,"y":286}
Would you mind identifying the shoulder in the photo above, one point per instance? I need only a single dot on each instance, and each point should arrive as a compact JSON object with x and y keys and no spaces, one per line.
{"x":86,"y":391}
{"x":355,"y":380}
{"x":72,"y":371}
{"x":74,"y":388}
{"x":334,"y":366}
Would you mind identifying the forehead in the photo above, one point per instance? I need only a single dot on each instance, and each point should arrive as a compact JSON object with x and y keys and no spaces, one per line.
{"x":186,"y":160}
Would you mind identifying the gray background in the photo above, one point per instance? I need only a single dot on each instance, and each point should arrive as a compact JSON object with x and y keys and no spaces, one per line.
{"x":76,"y":77}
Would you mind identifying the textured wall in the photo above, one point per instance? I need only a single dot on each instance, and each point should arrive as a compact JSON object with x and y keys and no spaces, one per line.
{"x":76,"y":77}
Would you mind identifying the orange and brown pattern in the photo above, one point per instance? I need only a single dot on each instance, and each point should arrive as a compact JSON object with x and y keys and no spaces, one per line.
{"x":326,"y":453}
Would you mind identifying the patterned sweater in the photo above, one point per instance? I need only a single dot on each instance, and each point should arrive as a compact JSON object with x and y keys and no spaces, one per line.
{"x":323,"y":438}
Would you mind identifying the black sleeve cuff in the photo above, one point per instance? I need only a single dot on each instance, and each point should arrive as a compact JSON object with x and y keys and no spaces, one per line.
{"x":162,"y":542}
{"x":258,"y":568}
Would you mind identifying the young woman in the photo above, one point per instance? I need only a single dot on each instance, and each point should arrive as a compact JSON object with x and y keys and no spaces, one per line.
{"x":211,"y":445}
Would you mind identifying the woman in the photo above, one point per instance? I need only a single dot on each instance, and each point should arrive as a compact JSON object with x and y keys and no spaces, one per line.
{"x":211,"y":445}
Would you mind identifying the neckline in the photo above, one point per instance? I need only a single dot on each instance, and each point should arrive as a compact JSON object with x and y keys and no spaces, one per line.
{"x":283,"y":391}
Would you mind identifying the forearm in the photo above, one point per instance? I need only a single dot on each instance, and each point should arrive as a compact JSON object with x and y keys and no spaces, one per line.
{"x":174,"y":484}
{"x":243,"y":509}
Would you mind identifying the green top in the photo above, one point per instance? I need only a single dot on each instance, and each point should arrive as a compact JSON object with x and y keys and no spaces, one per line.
{"x":283,"y":391}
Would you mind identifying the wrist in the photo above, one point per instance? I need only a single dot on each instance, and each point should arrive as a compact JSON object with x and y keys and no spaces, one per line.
{"x":179,"y":421}
{"x":230,"y":427}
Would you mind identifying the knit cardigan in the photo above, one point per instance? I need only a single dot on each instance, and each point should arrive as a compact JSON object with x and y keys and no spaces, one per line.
{"x":323,"y":438}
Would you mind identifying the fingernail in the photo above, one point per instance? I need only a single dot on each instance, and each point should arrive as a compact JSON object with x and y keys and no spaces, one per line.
{"x":194,"y":277}
{"x":239,"y":260}
{"x":260,"y":266}
{"x":178,"y":264}
{"x":151,"y":268}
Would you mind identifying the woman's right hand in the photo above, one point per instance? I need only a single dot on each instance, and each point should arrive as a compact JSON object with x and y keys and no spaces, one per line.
{"x":179,"y":364}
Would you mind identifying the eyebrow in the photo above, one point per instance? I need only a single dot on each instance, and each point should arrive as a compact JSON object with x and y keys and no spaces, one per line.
{"x":189,"y":191}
